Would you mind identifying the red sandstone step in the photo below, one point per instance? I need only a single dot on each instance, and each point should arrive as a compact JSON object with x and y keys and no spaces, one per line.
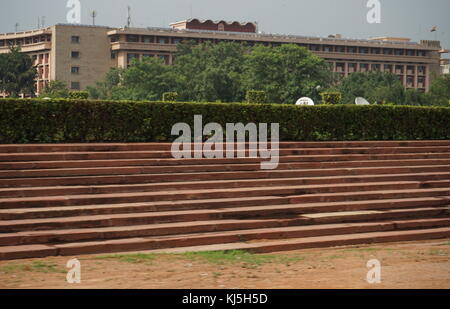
{"x":212,"y":176}
{"x":314,"y":242}
{"x":22,"y":148}
{"x":120,"y":188}
{"x":171,"y":161}
{"x":233,"y":226}
{"x":111,"y":198}
{"x":306,"y":162}
{"x":63,"y":172}
{"x":231,"y":241}
{"x":89,"y":210}
{"x":192,"y":177}
{"x":253,"y":212}
{"x":43,"y":156}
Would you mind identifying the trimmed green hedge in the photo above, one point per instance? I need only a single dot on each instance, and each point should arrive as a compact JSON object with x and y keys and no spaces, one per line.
{"x":170,"y":96}
{"x":52,"y":121}
{"x":331,"y":97}
{"x":256,"y":96}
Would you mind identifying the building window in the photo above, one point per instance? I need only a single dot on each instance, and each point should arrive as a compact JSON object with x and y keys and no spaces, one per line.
{"x":162,"y":41}
{"x":421,"y":53}
{"x":75,"y":86}
{"x":75,"y":54}
{"x":147,"y":39}
{"x":376,"y":67}
{"x":364,"y":50}
{"x":75,"y":39}
{"x":75,"y":70}
{"x":421,"y":69}
{"x":399,"y":52}
{"x":351,"y":49}
{"x":132,"y":38}
{"x":410,"y":52}
{"x":131,"y":56}
{"x":113,"y":55}
{"x":388,"y":68}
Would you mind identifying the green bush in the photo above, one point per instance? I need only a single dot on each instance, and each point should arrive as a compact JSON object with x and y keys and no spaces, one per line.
{"x":254,"y":96}
{"x":331,"y":97}
{"x":78,"y":95}
{"x":170,"y":96}
{"x":58,"y":120}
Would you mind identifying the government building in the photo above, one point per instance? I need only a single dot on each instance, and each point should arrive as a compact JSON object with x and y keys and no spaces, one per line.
{"x":80,"y":55}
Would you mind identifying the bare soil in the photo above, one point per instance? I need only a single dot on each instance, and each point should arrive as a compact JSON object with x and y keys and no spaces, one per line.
{"x":412,"y":265}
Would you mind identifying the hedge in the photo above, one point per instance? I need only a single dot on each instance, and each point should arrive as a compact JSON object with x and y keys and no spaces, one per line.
{"x":331,"y":97}
{"x":170,"y":96}
{"x":256,"y":96}
{"x":52,"y":121}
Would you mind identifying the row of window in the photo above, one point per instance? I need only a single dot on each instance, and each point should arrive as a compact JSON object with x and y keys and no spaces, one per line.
{"x":397,"y":69}
{"x":313,"y":47}
{"x":27,"y":40}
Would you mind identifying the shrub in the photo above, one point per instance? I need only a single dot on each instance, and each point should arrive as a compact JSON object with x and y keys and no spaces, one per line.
{"x":78,"y":95}
{"x":170,"y":96}
{"x":59,"y":120}
{"x":254,"y":96}
{"x":331,"y":97}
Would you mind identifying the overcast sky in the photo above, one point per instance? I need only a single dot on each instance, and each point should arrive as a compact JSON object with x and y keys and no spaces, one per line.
{"x":404,"y":18}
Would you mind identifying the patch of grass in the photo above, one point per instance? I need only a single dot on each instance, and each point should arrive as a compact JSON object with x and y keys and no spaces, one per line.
{"x":437,"y":252}
{"x":238,"y":256}
{"x":332,"y":257}
{"x":448,"y":243}
{"x":129,"y":258}
{"x":36,"y":266}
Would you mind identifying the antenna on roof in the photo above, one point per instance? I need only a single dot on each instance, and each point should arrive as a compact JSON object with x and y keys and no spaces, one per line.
{"x":93,"y":15}
{"x":16,"y":27}
{"x":129,"y":17}
{"x":39,"y":23}
{"x":43,"y":22}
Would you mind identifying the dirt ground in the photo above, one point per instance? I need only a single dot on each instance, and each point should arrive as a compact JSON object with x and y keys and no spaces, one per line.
{"x":424,"y":264}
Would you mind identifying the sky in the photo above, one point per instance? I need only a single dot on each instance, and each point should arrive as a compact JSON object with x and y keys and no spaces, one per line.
{"x":401,"y":18}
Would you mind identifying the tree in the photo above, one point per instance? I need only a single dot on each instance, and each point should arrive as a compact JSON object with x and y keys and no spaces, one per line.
{"x":210,"y":72}
{"x":286,"y":73}
{"x":55,"y":89}
{"x":439,"y":93}
{"x":380,"y":87}
{"x":104,"y":89}
{"x":17,"y":73}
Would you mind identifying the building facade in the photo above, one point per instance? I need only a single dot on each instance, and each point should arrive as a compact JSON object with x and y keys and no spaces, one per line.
{"x":80,"y":55}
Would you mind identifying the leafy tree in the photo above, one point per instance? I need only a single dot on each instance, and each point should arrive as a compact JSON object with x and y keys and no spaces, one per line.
{"x":17,"y":73}
{"x":104,"y":89}
{"x":286,"y":73}
{"x":210,"y":72}
{"x":55,"y":89}
{"x":380,"y":87}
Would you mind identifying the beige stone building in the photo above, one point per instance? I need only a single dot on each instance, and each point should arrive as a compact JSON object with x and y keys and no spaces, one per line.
{"x":80,"y":55}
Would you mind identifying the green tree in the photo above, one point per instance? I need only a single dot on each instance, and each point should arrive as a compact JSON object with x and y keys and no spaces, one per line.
{"x":105,"y":89}
{"x":55,"y":89}
{"x":286,"y":73}
{"x":380,"y":87}
{"x":17,"y":73}
{"x":210,"y":72}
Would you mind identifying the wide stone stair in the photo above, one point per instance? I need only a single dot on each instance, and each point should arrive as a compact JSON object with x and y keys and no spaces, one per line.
{"x":73,"y":199}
